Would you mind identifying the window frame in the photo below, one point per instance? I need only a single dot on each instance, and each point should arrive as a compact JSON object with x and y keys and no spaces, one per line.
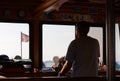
{"x":91,"y":24}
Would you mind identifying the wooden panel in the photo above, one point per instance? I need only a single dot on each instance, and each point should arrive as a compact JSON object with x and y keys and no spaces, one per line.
{"x":20,"y":3}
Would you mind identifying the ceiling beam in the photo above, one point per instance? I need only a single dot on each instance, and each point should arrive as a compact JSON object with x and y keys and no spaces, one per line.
{"x":48,"y":6}
{"x":43,"y":6}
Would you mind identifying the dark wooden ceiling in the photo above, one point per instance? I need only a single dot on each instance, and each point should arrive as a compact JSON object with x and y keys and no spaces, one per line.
{"x":20,"y":3}
{"x":33,"y":5}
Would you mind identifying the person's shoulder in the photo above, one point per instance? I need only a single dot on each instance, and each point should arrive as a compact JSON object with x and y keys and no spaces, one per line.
{"x":92,"y":39}
{"x":73,"y":42}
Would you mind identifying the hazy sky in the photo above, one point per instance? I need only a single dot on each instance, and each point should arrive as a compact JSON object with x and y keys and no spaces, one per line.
{"x":10,"y":39}
{"x":56,"y":39}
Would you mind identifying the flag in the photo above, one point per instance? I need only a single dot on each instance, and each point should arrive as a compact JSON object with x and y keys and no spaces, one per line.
{"x":24,"y":37}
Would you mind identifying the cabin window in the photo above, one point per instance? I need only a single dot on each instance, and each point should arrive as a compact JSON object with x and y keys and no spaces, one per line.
{"x":117,"y":44}
{"x":14,"y":39}
{"x":56,"y":39}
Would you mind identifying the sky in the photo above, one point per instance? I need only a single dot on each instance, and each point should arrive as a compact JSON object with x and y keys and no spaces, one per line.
{"x":10,"y":39}
{"x":56,"y":39}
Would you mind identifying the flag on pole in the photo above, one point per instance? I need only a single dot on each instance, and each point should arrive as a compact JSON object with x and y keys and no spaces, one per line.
{"x":24,"y":37}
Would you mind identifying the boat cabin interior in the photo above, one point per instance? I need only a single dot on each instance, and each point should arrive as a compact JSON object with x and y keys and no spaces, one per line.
{"x":36,"y":33}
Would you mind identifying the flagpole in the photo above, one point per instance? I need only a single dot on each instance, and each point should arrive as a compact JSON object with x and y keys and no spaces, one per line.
{"x":24,"y":38}
{"x":21,"y":44}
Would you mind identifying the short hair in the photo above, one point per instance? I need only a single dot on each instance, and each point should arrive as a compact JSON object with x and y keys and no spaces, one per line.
{"x":4,"y":57}
{"x":55,"y":57}
{"x":83,"y":27}
{"x":18,"y":57}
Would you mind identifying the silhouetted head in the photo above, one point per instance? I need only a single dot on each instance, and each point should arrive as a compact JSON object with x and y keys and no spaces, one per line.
{"x":4,"y":58}
{"x":17,"y":57}
{"x":82,"y":28}
{"x":55,"y":59}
